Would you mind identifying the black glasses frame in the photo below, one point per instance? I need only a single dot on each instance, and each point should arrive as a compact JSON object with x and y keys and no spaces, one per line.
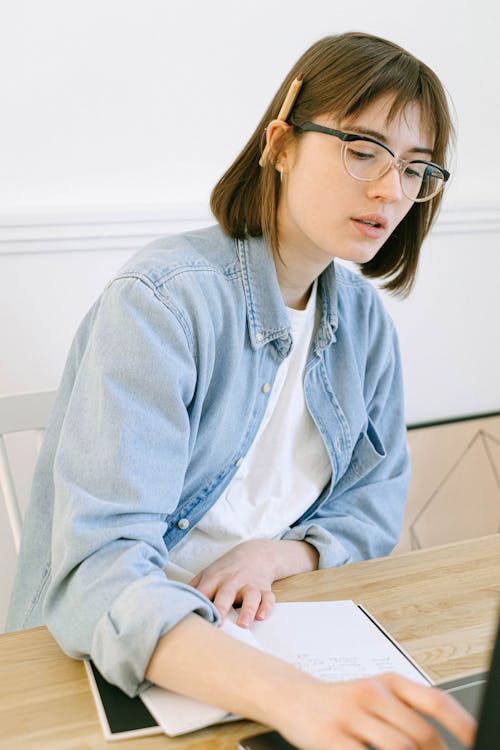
{"x":349,"y":137}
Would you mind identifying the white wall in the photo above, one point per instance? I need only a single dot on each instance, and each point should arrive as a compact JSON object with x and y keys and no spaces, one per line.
{"x":119,"y":115}
{"x":113,"y":102}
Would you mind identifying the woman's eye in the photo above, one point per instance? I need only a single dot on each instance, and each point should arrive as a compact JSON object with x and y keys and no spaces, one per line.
{"x":416,"y":171}
{"x":363,"y":155}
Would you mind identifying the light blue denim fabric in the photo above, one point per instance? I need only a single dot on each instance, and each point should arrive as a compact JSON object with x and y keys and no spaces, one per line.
{"x":161,"y":395}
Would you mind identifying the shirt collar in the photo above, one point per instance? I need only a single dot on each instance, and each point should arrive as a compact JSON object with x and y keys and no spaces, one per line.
{"x":266,"y":312}
{"x":327,"y":291}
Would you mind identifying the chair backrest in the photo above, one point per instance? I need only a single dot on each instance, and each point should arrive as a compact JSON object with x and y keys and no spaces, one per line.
{"x":23,"y":412}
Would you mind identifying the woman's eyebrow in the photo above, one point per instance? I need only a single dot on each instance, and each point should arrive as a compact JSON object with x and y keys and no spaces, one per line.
{"x":381,"y":137}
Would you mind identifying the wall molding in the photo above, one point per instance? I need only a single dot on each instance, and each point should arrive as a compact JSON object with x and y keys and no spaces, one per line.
{"x":464,"y":218}
{"x":130,"y":228}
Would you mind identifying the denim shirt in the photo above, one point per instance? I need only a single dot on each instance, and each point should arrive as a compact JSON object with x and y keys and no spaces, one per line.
{"x":162,"y":394}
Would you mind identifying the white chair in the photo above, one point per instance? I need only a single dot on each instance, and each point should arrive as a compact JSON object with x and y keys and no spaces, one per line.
{"x":23,"y":412}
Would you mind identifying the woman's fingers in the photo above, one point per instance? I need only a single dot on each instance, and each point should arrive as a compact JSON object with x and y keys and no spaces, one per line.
{"x":250,"y":603}
{"x":224,"y":597}
{"x":385,"y":720}
{"x":255,"y":604}
{"x":382,"y":712}
{"x":377,"y":733}
{"x":195,"y":581}
{"x":268,"y":600}
{"x":207,"y":585}
{"x":435,"y":703}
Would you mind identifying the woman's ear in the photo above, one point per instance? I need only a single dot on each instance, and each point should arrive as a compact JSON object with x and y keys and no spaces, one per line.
{"x":276,"y":133}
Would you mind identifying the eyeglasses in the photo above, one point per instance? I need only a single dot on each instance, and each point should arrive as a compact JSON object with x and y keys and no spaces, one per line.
{"x":366,"y":159}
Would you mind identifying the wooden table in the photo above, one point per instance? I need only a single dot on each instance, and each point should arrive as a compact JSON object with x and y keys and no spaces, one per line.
{"x":441,"y":604}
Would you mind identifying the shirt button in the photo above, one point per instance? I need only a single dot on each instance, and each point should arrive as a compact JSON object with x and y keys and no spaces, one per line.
{"x":239,"y":462}
{"x":284,"y":336}
{"x":183,"y":524}
{"x":259,"y":337}
{"x":266,"y":388}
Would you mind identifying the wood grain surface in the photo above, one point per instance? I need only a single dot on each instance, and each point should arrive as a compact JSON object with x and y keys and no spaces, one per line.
{"x":441,"y":604}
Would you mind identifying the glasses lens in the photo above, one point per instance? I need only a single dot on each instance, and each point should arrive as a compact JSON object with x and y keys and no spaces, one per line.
{"x":421,"y":181}
{"x":365,"y":160}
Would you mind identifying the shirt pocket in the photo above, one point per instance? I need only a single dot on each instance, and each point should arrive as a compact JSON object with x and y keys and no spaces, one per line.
{"x":368,"y":452}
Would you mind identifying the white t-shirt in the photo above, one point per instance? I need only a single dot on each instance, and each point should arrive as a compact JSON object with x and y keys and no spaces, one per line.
{"x":282,"y":474}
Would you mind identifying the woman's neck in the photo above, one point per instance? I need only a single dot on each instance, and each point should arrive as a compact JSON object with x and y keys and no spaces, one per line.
{"x":295,"y":277}
{"x":294,"y":296}
{"x":298,"y":263}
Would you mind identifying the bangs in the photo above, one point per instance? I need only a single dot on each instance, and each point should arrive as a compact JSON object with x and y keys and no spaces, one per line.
{"x":411,"y":82}
{"x":366,"y":69}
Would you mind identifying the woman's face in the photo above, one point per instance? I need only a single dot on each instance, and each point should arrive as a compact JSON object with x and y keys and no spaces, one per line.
{"x":323,"y":212}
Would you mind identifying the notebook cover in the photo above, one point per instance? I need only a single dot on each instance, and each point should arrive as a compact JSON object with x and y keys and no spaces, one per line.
{"x":120,"y":716}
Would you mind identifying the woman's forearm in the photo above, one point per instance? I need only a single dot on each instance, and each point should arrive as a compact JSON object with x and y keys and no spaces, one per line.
{"x":199,"y":660}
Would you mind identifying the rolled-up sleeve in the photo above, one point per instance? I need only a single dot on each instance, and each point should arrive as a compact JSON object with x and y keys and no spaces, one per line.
{"x":118,"y":472}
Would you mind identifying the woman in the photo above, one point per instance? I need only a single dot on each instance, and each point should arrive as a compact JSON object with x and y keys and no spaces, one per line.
{"x":231,"y":411}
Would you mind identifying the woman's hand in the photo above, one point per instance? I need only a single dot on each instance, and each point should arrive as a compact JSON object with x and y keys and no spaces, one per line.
{"x":244,"y":575}
{"x":384,"y":712}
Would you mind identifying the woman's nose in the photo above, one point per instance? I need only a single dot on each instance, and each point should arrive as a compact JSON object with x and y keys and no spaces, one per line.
{"x":388,"y":187}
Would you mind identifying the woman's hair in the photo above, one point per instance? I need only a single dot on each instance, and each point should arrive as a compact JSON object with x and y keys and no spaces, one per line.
{"x":341,"y":75}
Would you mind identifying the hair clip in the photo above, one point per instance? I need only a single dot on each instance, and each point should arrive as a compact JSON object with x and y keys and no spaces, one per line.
{"x":285,"y":110}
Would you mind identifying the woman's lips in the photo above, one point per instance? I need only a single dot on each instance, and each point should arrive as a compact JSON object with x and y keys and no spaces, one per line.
{"x":372,"y":226}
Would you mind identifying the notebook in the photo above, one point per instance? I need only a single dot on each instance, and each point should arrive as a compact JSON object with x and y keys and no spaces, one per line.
{"x":121,"y":717}
{"x":298,"y":632}
{"x":479,"y":694}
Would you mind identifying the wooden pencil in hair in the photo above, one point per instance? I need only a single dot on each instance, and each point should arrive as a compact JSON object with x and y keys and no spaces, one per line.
{"x":285,"y":110}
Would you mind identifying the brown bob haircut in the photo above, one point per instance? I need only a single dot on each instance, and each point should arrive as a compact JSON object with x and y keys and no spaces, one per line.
{"x":341,"y":75}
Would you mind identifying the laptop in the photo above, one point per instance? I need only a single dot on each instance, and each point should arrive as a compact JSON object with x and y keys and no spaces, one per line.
{"x":479,"y":694}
